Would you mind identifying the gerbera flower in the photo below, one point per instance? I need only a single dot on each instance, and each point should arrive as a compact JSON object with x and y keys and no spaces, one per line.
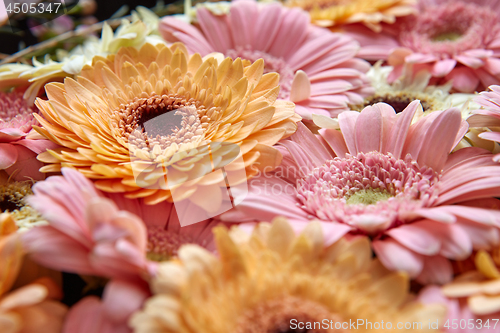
{"x":19,"y":147}
{"x":31,"y":306}
{"x":410,"y":87}
{"x":479,"y":287}
{"x":273,"y":278}
{"x":488,"y":118}
{"x":458,"y":311}
{"x":391,"y":180}
{"x":103,"y":121}
{"x":109,"y":314}
{"x":94,"y":235}
{"x":456,"y":41}
{"x":371,"y":13}
{"x":13,"y":200}
{"x":318,"y":69}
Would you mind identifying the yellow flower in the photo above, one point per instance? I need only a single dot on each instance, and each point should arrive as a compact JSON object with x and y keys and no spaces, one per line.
{"x":480,"y":287}
{"x":30,"y":306}
{"x":328,"y":13}
{"x":263,"y":282}
{"x":114,"y":123}
{"x":142,"y":29}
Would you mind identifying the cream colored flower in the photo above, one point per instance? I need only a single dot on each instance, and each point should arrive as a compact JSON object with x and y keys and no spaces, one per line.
{"x":260,"y":282}
{"x":143,"y":29}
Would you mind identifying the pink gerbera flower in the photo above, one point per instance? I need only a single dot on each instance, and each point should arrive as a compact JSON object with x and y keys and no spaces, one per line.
{"x":390,"y":180}
{"x":18,"y":147}
{"x":91,"y":234}
{"x":318,"y":69}
{"x":454,"y":40}
{"x":488,"y":116}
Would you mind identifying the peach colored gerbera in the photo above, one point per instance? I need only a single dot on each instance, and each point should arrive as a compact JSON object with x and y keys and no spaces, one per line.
{"x":89,"y":233}
{"x":391,"y":180}
{"x":159,"y":110}
{"x":371,"y":13}
{"x":318,"y":69}
{"x":454,"y":40}
{"x":19,"y":147}
{"x":262,"y":282}
{"x":481,"y":287}
{"x":25,"y":309}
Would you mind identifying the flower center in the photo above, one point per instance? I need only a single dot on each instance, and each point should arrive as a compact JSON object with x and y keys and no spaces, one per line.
{"x":274,"y":316}
{"x":15,"y":112}
{"x":399,"y":101}
{"x":271,"y":64}
{"x":446,"y":36}
{"x":12,"y":195}
{"x":368,"y":197}
{"x":163,"y":120}
{"x":344,"y":189}
{"x":448,"y":30}
{"x":163,"y":244}
{"x":12,"y":200}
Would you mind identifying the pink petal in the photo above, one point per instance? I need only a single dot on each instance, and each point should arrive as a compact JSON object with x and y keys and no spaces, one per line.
{"x":335,"y":140}
{"x":469,"y":61}
{"x":443,"y":67}
{"x":268,"y":23}
{"x":417,"y":237}
{"x":121,"y":299}
{"x":8,"y":155}
{"x":293,"y":30}
{"x":215,"y":30}
{"x":396,"y":257}
{"x":347,"y":123}
{"x":400,"y":130}
{"x":437,"y":270}
{"x":369,"y":130}
{"x":242,"y":20}
{"x":464,"y":79}
{"x":443,"y":130}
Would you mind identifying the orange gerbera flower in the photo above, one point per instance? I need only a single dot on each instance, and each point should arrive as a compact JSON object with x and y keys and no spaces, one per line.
{"x":369,"y":12}
{"x":115,"y":123}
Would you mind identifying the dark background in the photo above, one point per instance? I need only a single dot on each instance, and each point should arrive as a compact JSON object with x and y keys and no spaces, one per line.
{"x":9,"y":42}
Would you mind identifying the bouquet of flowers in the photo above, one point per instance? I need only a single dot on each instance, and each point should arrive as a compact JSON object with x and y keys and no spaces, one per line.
{"x":251,"y":167}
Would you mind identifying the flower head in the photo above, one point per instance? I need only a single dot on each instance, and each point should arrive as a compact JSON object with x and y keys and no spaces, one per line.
{"x":271,"y":278}
{"x":19,"y":147}
{"x":109,"y":236}
{"x":371,"y":13}
{"x":391,"y":180}
{"x":133,"y":118}
{"x":318,"y":69}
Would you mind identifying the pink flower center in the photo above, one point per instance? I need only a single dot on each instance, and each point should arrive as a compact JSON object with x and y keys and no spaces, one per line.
{"x":164,"y":244}
{"x":15,"y":112}
{"x":271,"y":63}
{"x":447,"y":30}
{"x":369,"y":191}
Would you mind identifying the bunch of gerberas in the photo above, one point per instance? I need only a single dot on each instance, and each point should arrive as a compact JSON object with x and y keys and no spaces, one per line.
{"x":296,"y":166}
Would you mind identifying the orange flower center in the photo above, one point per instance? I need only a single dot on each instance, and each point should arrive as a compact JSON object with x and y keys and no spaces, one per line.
{"x":163,"y":120}
{"x":283,"y":315}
